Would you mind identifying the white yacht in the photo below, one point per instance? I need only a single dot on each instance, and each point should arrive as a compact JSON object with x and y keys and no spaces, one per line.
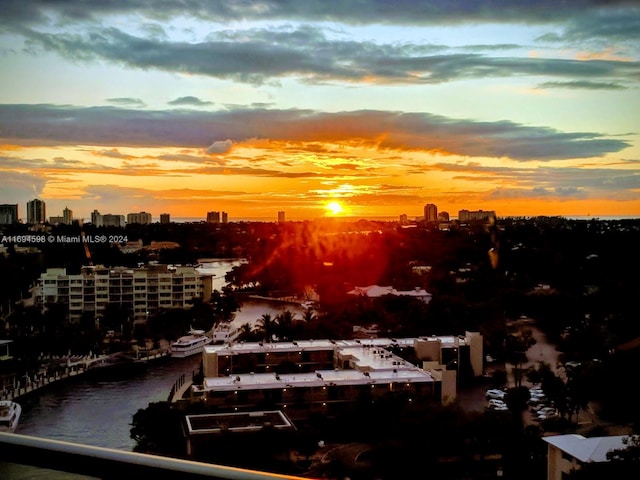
{"x":225,"y":332}
{"x":190,"y":344}
{"x":9,"y":415}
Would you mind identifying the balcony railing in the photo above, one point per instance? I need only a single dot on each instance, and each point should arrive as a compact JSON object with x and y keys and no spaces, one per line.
{"x":109,"y":464}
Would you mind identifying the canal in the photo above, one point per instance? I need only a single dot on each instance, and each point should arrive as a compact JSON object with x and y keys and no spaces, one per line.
{"x":99,"y":412}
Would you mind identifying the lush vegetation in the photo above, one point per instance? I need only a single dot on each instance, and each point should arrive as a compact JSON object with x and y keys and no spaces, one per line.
{"x":578,"y":279}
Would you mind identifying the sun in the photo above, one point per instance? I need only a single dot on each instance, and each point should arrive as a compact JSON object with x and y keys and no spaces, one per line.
{"x":334,"y":208}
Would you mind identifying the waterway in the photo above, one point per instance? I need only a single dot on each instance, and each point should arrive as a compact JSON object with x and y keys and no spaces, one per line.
{"x":100,"y":412}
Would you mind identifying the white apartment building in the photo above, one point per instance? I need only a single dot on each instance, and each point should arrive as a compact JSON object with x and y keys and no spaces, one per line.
{"x":141,"y":290}
{"x":143,"y":218}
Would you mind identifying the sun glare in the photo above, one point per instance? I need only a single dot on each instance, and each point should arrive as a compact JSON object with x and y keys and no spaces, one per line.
{"x":334,"y":208}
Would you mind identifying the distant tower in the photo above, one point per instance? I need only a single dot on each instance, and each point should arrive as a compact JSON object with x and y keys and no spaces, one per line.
{"x":96,"y":218}
{"x":225,"y":217}
{"x":281,"y":216}
{"x":165,"y":218}
{"x":36,"y":212}
{"x":430,"y":213}
{"x":143,"y":218}
{"x":67,"y":216}
{"x":8,"y":213}
{"x":213,"y":217}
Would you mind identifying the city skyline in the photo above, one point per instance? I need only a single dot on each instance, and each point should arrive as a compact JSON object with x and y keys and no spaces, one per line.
{"x":358,"y":109}
{"x":8,"y":216}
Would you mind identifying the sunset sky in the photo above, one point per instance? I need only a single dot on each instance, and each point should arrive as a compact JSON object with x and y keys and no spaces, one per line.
{"x":376,"y":107}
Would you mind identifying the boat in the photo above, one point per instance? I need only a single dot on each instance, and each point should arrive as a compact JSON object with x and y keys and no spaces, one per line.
{"x":190,"y":344}
{"x":9,"y":415}
{"x":225,"y":333}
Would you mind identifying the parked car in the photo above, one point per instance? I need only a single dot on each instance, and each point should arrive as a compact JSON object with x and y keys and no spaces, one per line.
{"x":546,"y":410}
{"x":495,"y":393}
{"x":494,"y":402}
{"x":500,"y":408}
{"x":547,"y":416}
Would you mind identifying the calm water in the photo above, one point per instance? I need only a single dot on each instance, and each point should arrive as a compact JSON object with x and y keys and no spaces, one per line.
{"x":99,"y":413}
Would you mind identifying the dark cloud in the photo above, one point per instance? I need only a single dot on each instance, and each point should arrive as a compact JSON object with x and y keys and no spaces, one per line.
{"x":616,"y":23}
{"x":361,"y":12}
{"x":307,"y":54}
{"x":109,"y":126}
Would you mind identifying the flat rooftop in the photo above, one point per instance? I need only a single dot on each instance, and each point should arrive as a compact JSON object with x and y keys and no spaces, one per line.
{"x":238,"y":422}
{"x":318,"y":345}
{"x":319,"y":378}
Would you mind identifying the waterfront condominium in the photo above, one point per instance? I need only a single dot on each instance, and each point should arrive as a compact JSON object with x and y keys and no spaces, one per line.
{"x":141,"y":291}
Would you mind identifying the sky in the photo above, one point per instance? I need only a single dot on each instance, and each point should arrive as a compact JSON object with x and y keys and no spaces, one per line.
{"x":362,"y":108}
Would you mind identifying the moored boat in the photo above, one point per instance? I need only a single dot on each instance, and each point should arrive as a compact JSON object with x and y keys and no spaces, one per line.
{"x":226,"y":332}
{"x":9,"y":415}
{"x":190,"y":344}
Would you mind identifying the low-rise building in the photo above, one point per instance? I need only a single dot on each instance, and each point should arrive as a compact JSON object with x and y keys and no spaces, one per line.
{"x":329,"y":377}
{"x":568,"y":453}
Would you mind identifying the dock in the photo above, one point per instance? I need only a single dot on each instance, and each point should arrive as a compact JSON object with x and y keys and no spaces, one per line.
{"x":68,"y":367}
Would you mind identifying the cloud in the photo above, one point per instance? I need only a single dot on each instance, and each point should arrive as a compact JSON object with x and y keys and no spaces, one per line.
{"x":126,"y":102}
{"x":258,"y":56}
{"x":411,"y":12}
{"x":190,"y":101}
{"x":384,"y":130}
{"x":113,"y":153}
{"x":220,"y":147}
{"x":20,"y":188}
{"x":580,"y":84}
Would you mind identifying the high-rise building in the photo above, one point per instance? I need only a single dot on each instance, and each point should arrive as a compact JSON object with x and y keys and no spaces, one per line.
{"x":142,"y":218}
{"x":8,"y":214}
{"x":36,"y":212}
{"x":430,"y":213}
{"x":225,"y":217}
{"x":67,"y":216}
{"x":165,"y":218}
{"x":109,"y":220}
{"x":96,"y":218}
{"x":281,"y":216}
{"x":213,"y":217}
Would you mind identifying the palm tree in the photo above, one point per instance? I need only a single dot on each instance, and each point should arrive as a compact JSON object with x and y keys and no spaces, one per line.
{"x":247,"y":332}
{"x":285,"y":325}
{"x":267,"y":326}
